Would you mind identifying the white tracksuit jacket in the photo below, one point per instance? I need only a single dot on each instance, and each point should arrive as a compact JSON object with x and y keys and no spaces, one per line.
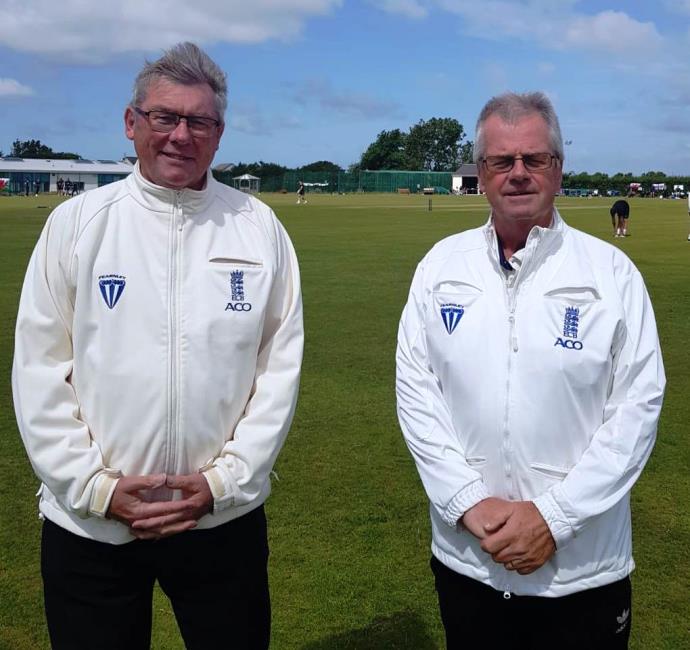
{"x":547,"y":388}
{"x":158,"y":331}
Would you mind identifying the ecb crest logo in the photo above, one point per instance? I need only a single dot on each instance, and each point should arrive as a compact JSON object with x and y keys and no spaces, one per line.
{"x":451,"y":315}
{"x":111,"y":287}
{"x":237,"y":293}
{"x":571,"y":324}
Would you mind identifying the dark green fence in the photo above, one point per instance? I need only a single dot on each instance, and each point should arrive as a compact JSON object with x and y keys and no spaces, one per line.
{"x":345,"y":182}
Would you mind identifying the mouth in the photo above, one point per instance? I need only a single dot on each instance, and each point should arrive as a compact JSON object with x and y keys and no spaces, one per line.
{"x":176,"y":156}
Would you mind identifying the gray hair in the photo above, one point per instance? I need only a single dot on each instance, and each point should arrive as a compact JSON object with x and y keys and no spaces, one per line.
{"x":186,"y":64}
{"x":511,"y":107}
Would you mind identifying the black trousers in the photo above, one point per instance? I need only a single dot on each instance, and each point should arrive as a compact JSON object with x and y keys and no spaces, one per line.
{"x":476,"y":616}
{"x":99,"y":596}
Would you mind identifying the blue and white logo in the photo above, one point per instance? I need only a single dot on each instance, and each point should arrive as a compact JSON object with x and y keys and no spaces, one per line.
{"x":237,"y":285}
{"x":571,"y":323}
{"x":451,"y":315}
{"x":237,"y":293}
{"x":111,"y":287}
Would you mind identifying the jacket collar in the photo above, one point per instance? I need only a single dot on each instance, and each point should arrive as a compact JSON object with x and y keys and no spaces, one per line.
{"x":540,"y":241}
{"x":162,"y":199}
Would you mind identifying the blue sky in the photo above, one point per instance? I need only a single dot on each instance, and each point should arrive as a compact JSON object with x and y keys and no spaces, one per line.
{"x":319,"y":79}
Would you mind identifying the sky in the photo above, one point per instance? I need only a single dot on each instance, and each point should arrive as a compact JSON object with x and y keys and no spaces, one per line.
{"x":319,"y":79}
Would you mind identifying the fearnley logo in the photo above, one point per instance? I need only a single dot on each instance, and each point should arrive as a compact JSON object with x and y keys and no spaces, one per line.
{"x":571,"y":323}
{"x":451,"y":315}
{"x":111,"y":287}
{"x":237,"y":302}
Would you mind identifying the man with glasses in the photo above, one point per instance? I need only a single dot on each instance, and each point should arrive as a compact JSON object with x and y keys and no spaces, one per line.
{"x":157,"y":359}
{"x":529,"y":385}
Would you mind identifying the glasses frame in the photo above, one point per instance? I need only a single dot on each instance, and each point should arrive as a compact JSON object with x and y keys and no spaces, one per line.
{"x":525,"y":161}
{"x":212,"y":122}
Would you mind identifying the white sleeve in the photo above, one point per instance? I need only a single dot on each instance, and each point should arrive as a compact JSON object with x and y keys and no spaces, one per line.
{"x":58,"y":443}
{"x":621,"y":446}
{"x":451,"y":485}
{"x":239,"y":473}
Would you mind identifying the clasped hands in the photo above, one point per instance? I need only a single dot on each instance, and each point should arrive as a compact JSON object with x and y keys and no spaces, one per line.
{"x":513,"y":532}
{"x":153,"y":520}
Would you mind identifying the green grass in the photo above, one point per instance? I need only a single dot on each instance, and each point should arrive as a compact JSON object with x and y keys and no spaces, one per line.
{"x":348,"y":518}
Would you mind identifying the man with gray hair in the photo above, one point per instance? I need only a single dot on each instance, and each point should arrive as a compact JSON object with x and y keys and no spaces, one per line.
{"x":157,"y":360}
{"x":529,"y":385}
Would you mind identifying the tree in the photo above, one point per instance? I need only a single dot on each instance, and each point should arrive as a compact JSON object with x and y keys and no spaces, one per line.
{"x":434,"y":145}
{"x":261,"y":169}
{"x":35,"y":149}
{"x":386,"y":152}
{"x":465,"y":152}
{"x":321,"y":166}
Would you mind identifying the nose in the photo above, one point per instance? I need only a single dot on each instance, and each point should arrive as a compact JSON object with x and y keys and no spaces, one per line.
{"x":519,"y":171}
{"x":181,"y":132}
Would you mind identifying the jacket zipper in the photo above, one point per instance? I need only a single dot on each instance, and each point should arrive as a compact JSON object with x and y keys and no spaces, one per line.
{"x":173,"y":346}
{"x":510,"y":286}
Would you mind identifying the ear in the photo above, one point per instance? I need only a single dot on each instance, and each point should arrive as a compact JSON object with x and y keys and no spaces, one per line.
{"x":130,"y":118}
{"x":221,"y":130}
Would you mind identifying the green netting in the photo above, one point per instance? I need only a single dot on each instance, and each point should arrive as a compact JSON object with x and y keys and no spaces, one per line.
{"x":345,"y":182}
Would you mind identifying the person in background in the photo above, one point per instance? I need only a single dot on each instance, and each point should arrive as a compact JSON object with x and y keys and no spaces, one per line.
{"x":529,"y":384}
{"x":157,"y":360}
{"x":300,"y":193}
{"x":620,"y":213}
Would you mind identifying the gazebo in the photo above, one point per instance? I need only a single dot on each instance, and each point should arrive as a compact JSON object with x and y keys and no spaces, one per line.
{"x":247,"y":183}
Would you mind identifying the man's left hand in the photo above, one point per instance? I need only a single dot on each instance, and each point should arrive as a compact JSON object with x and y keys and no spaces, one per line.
{"x":524,"y":542}
{"x":196,"y":496}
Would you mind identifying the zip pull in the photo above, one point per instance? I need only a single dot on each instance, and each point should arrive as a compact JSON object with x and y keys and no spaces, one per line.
{"x":513,"y":337}
{"x":506,"y":595}
{"x":178,"y":205}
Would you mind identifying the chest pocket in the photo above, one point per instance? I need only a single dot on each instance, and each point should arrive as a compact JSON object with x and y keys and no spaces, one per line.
{"x":581,"y":334}
{"x":451,"y":308}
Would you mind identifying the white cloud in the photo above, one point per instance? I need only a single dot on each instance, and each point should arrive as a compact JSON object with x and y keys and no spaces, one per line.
{"x":354,"y":105}
{"x":89,"y":30}
{"x":408,"y":8}
{"x":12,"y":88}
{"x":555,"y":24}
{"x":614,"y":32}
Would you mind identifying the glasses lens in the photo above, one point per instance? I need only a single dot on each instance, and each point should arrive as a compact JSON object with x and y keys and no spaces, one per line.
{"x":201,"y":126}
{"x":537,"y":161}
{"x":162,"y":122}
{"x":499,"y":163}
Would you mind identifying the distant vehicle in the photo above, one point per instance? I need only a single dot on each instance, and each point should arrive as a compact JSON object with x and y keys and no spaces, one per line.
{"x":612,"y":193}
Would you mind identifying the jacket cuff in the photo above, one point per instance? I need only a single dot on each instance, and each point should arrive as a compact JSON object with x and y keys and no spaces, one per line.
{"x":561,"y":529}
{"x":222,"y":486}
{"x":464,"y":500}
{"x":102,"y":492}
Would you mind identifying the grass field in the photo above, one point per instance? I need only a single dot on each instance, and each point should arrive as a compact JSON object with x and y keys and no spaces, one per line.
{"x":348,"y":518}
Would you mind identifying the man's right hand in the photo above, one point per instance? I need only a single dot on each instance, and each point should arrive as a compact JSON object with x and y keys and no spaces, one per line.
{"x":128,"y":506}
{"x":487,"y":516}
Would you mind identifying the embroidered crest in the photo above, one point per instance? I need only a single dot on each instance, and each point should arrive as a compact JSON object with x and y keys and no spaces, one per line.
{"x":571,"y":322}
{"x":237,"y":285}
{"x":237,"y":296}
{"x":451,"y":315}
{"x":111,"y":287}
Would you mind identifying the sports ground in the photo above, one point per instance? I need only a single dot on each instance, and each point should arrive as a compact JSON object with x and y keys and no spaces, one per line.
{"x":348,"y":518}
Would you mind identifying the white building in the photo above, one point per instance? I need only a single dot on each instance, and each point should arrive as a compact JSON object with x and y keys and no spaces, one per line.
{"x":466,"y":179}
{"x":86,"y":174}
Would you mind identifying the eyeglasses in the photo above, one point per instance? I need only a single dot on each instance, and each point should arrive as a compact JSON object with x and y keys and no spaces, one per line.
{"x":533,"y":162}
{"x":165,"y":122}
